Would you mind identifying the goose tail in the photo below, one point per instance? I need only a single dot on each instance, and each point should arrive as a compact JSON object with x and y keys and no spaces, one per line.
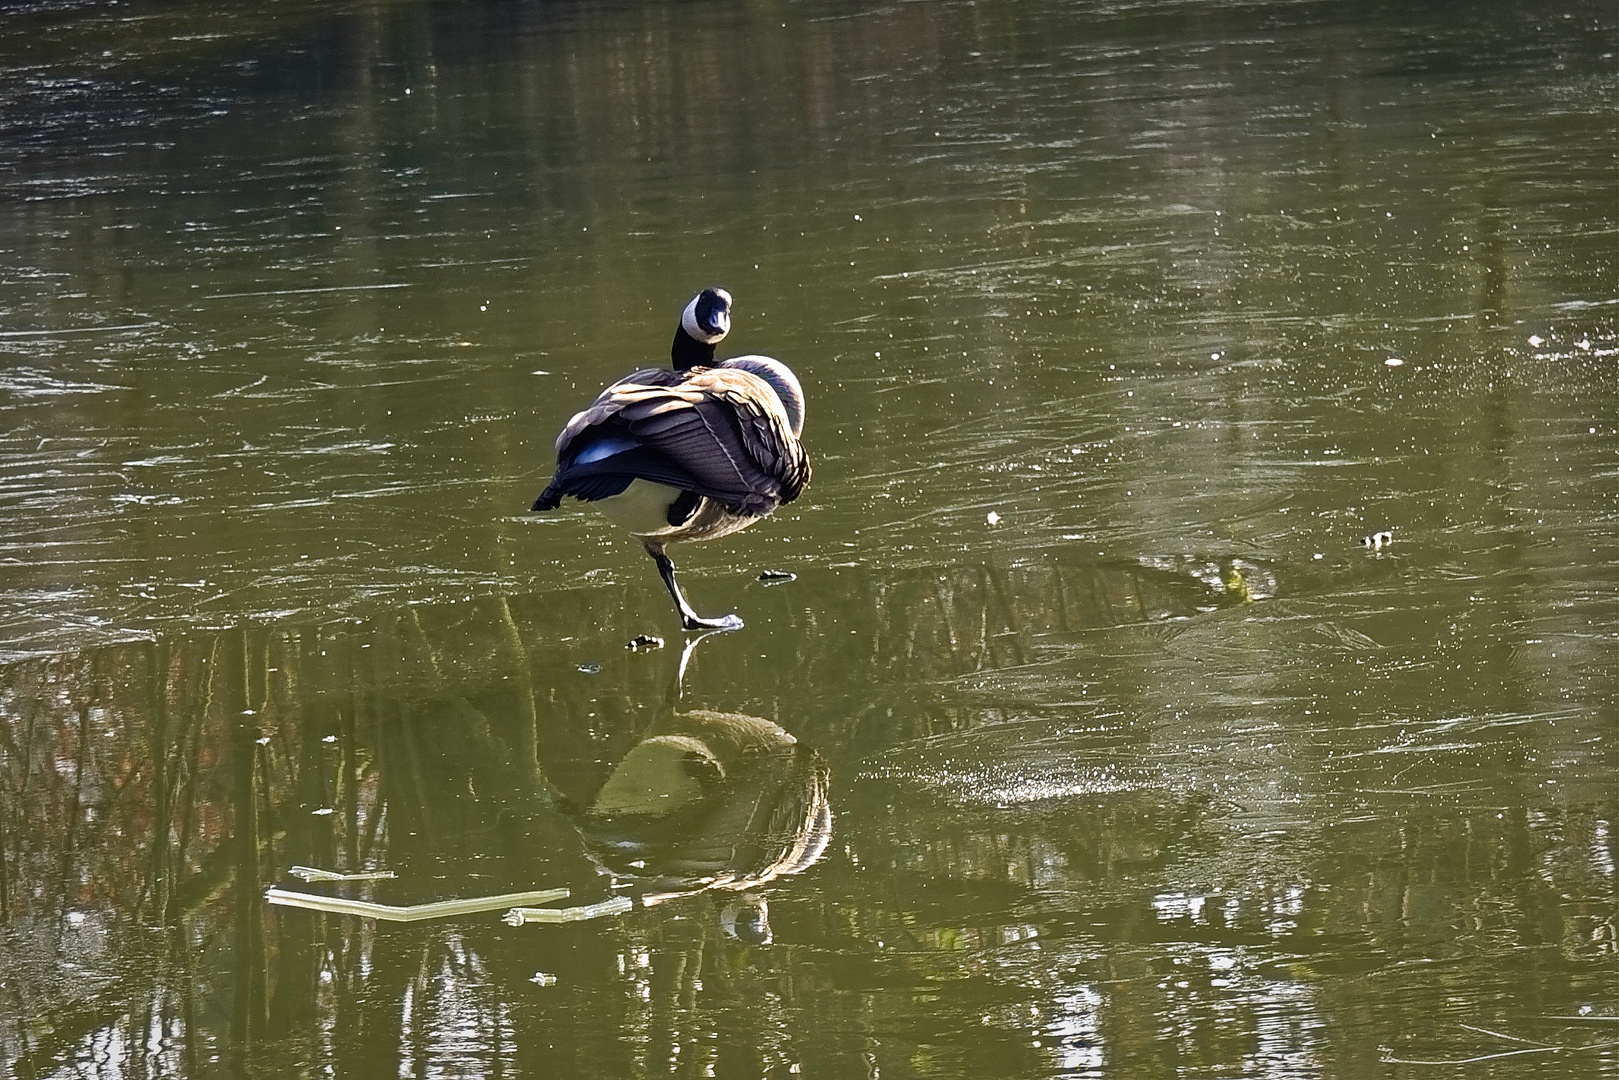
{"x":550,"y":498}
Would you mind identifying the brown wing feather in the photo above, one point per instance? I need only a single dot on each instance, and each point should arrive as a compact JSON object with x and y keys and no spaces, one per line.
{"x":766,"y":432}
{"x":608,"y":403}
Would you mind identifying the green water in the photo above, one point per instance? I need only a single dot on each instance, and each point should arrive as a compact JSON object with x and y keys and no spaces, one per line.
{"x":1088,"y":740}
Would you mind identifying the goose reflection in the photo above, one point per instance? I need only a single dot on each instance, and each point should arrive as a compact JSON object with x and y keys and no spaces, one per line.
{"x":705,"y":800}
{"x":712,"y":800}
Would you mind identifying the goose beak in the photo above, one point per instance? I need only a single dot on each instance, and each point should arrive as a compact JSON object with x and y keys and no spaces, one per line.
{"x":714,"y":311}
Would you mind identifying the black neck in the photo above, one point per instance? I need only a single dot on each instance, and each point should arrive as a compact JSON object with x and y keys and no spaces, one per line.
{"x":687,"y":352}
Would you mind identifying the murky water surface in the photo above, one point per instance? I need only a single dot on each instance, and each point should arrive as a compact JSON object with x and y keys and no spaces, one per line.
{"x":1089,"y":739}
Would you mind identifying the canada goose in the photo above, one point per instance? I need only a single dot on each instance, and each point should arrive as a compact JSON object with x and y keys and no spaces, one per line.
{"x":693,"y":453}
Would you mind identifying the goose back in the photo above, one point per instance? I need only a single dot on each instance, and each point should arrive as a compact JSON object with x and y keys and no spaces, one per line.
{"x":722,"y":432}
{"x":781,"y":379}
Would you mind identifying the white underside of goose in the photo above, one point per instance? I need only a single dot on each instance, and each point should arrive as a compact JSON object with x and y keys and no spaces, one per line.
{"x":642,"y":509}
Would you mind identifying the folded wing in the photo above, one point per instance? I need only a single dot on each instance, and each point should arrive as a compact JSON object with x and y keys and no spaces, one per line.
{"x":711,"y":431}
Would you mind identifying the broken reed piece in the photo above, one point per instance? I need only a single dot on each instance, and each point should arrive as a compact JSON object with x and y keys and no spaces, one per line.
{"x":438,"y":909}
{"x":312,"y":873}
{"x":616,"y":905}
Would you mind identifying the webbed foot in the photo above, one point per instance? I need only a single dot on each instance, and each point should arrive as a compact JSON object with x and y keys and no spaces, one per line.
{"x":723,"y":622}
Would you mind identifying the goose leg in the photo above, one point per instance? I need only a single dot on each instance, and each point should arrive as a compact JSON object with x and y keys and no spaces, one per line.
{"x":689,"y":619}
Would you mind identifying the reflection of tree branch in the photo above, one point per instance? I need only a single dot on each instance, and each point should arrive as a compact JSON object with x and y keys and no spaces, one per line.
{"x":528,"y":731}
{"x":408,"y":725}
{"x":310,"y":834}
{"x":157,"y":884}
{"x":70,"y":841}
{"x":363,"y":727}
{"x":403,"y":761}
{"x":196,"y":729}
{"x":348,"y":778}
{"x":248,"y":1017}
{"x":374,"y":825}
{"x":416,"y":634}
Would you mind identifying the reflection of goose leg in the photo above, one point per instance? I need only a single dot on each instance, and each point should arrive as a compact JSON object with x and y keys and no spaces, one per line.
{"x":689,"y":619}
{"x":685,"y":659}
{"x":672,"y":698}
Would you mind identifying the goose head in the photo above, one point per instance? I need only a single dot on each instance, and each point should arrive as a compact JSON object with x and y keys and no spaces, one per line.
{"x":704,"y":322}
{"x":707,"y":317}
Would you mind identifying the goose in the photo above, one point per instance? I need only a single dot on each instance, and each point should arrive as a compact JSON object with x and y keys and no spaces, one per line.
{"x":693,"y":452}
